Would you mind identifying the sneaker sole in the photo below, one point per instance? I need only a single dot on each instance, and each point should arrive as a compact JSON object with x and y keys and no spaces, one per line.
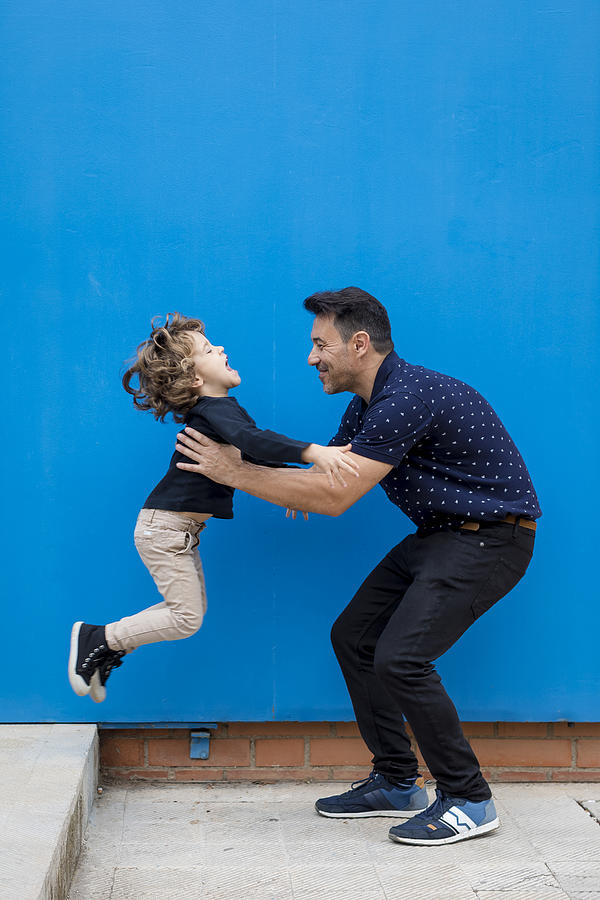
{"x":463,"y":836}
{"x":97,"y":689}
{"x":381,"y":813}
{"x":76,"y":681}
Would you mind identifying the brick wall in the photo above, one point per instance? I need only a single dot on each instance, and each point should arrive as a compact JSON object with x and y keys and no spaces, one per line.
{"x":334,"y":751}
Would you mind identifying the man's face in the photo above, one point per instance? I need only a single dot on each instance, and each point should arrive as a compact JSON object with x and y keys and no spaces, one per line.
{"x":331,"y":356}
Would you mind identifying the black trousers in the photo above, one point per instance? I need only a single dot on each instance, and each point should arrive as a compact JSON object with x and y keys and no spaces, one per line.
{"x":412,"y":608}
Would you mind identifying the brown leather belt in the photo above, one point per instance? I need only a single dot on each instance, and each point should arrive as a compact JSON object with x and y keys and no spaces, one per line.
{"x":524,"y":523}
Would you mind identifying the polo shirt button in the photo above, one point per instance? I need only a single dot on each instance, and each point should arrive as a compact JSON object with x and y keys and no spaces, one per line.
{"x":481,"y":544}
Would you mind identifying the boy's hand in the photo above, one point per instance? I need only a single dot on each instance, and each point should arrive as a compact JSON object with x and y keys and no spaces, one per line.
{"x":332,"y":461}
{"x":294,"y":513}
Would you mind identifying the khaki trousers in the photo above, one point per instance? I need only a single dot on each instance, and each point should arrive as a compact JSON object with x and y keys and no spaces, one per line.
{"x":167,"y":543}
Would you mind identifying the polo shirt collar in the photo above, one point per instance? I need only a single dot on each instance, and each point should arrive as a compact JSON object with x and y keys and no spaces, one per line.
{"x":391,"y":362}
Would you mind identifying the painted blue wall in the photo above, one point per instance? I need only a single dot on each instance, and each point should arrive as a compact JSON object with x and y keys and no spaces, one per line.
{"x":226,"y":159}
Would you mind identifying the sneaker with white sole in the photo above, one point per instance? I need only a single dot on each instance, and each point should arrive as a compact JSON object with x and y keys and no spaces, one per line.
{"x":447,"y":820}
{"x":376,"y":796}
{"x":98,"y":679}
{"x":89,"y":654}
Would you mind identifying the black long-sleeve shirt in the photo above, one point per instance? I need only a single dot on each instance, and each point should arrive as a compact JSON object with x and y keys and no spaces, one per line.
{"x":225,"y":421}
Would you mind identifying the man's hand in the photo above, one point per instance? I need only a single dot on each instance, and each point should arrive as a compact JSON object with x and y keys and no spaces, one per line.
{"x":217,"y":461}
{"x":294,"y":512}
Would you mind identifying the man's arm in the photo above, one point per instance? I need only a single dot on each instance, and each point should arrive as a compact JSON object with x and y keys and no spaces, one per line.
{"x":293,"y":488}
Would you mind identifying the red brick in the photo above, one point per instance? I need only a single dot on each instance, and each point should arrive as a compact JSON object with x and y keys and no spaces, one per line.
{"x":585,"y":775}
{"x":176,"y":752}
{"x":341,"y":773}
{"x":116,"y":751}
{"x":478,"y":729}
{"x":199,"y":774}
{"x":279,"y":729}
{"x":526,"y":752}
{"x":339,"y":752}
{"x":279,"y":752}
{"x":139,"y":774}
{"x":577,"y":729}
{"x":269,"y":776}
{"x":522,"y":729}
{"x":588,"y":754}
{"x":347,"y":729}
{"x":134,"y":732}
{"x":499,"y":775}
{"x":417,"y":752}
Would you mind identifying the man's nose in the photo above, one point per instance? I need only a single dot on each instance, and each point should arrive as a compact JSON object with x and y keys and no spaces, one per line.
{"x":313,"y":357}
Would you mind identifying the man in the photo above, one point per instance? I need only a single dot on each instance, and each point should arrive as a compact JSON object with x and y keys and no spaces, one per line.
{"x":443,"y":456}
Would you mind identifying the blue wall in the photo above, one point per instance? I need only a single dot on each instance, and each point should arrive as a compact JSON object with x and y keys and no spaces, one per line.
{"x":226,"y":159}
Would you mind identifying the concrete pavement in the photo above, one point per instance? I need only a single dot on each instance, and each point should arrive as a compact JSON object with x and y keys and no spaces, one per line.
{"x":266,"y":842}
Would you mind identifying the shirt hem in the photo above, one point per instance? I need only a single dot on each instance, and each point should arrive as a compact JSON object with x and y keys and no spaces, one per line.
{"x":187,"y":507}
{"x":375,"y":455}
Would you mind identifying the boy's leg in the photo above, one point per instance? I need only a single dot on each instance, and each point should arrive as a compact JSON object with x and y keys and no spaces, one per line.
{"x":167,"y":543}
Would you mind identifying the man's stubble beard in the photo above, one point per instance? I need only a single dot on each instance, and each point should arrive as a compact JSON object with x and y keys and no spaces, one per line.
{"x":339,"y":385}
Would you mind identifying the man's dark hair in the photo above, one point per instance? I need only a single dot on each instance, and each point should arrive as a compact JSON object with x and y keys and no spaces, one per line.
{"x":354,"y":310}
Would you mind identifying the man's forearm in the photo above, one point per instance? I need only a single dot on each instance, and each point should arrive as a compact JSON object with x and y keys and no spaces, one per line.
{"x":293,"y":488}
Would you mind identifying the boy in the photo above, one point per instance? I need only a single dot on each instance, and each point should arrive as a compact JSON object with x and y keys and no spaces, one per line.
{"x":180,"y":372}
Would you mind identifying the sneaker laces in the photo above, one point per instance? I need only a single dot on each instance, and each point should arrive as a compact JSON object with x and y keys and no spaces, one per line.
{"x":359,"y":785}
{"x":436,"y":810}
{"x":372,"y":776}
{"x":112,"y":660}
{"x":375,"y":777}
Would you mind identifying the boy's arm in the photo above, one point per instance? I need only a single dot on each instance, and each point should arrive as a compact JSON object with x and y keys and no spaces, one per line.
{"x":293,"y":488}
{"x":227,"y":419}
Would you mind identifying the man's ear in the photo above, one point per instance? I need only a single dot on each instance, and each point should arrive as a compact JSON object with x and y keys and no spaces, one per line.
{"x":360,"y":342}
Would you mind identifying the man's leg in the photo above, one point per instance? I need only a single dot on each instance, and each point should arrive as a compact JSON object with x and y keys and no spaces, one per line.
{"x":354,"y":637}
{"x":458,"y":576}
{"x":393,"y":788}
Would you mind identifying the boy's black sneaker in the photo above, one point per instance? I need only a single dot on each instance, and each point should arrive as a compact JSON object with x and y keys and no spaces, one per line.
{"x":88,"y":652}
{"x":98,"y":681}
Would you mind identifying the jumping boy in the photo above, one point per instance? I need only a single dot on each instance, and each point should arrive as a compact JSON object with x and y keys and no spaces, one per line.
{"x":180,"y":372}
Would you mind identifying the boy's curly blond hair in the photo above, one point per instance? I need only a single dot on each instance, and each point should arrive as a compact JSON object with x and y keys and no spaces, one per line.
{"x":164,"y":368}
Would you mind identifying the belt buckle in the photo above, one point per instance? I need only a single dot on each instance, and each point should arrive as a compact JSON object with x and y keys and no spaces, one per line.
{"x":469,"y":526}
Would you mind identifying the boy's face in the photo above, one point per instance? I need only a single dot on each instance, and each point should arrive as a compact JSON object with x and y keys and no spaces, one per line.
{"x":214,"y":377}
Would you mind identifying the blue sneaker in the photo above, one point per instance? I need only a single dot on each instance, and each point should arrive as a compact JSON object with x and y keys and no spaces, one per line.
{"x":376,"y":796}
{"x":447,"y":820}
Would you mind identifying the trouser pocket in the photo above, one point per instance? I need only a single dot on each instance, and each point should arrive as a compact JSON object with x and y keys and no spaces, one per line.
{"x":503,"y":578}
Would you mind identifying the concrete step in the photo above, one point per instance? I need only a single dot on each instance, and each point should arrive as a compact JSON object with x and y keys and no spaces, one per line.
{"x":49,"y":775}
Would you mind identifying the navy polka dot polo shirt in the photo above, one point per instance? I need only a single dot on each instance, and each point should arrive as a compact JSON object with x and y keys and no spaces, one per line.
{"x":452,"y":456}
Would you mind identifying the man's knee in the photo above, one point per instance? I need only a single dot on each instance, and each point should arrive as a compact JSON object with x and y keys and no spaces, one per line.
{"x":403,"y":670}
{"x":337,"y":634}
{"x":341,"y":635}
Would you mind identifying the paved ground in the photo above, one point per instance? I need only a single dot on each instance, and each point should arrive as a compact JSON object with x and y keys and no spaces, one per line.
{"x":258,"y":842}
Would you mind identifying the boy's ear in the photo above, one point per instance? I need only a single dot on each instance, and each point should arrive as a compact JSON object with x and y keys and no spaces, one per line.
{"x":198,"y":381}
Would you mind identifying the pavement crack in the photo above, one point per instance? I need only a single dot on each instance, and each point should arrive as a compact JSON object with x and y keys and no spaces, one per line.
{"x":592,"y":808}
